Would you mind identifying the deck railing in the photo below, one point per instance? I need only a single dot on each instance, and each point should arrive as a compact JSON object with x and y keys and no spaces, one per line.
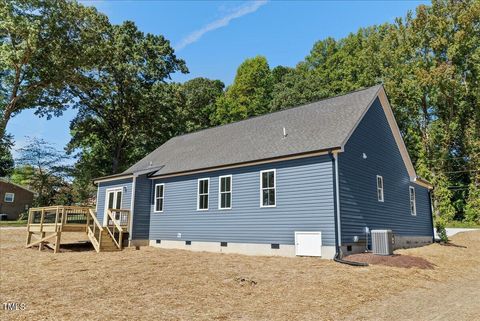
{"x":58,"y":219}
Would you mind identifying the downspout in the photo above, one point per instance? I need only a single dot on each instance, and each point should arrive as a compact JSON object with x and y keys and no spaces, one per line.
{"x":337,"y":202}
{"x":338,"y":239}
{"x":431,"y":213}
{"x":98,"y":197}
{"x":132,"y":204}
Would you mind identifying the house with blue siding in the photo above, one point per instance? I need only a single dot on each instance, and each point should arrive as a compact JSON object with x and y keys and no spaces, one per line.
{"x":308,"y":180}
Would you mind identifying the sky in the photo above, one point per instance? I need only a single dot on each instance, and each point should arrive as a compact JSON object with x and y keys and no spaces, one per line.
{"x":215,"y":37}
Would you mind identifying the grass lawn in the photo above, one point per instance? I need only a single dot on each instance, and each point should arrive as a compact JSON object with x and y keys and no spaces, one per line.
{"x":458,"y":224}
{"x":14,"y":223}
{"x":161,"y":284}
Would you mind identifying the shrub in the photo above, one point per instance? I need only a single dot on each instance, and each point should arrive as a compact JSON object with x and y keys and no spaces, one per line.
{"x":440,"y":225}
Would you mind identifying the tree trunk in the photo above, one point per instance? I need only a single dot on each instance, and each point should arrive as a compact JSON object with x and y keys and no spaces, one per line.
{"x":4,"y":121}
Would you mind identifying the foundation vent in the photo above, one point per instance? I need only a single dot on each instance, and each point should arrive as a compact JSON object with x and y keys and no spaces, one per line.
{"x":223,"y":244}
{"x":275,"y":246}
{"x":188,"y":242}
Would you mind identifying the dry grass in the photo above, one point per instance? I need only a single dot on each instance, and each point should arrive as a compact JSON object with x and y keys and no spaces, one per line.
{"x":155,"y":284}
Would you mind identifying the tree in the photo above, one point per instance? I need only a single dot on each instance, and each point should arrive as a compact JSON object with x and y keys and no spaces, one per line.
{"x":430,"y":65}
{"x":23,"y":175}
{"x":43,"y":45}
{"x":6,"y":159}
{"x":199,"y":96}
{"x":250,"y":93}
{"x":125,"y":107}
{"x":42,"y":168}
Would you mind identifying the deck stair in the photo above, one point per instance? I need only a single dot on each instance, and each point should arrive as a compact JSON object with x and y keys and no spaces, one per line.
{"x":48,"y":223}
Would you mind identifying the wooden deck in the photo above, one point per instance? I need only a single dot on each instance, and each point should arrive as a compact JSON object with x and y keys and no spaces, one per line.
{"x":48,"y":223}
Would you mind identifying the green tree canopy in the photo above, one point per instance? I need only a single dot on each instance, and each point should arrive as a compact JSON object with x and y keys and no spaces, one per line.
{"x":124,"y":104}
{"x":429,"y":63}
{"x":42,"y":167}
{"x":43,"y":45}
{"x":250,"y":93}
{"x":199,"y":96}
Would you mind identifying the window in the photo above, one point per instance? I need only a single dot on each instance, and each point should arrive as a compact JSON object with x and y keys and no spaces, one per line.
{"x":413,"y":205}
{"x":9,"y":197}
{"x":267,"y":188}
{"x":159,"y":192}
{"x":202,"y":200}
{"x":225,"y":192}
{"x":380,"y":188}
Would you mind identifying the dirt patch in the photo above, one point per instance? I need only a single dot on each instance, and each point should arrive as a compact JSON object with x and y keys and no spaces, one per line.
{"x":160,"y":284}
{"x":396,"y":260}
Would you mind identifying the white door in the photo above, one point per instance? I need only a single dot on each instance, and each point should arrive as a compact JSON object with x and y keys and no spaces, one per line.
{"x":308,"y":243}
{"x":113,"y":200}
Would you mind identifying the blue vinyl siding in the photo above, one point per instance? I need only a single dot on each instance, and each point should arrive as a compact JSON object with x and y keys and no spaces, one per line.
{"x":141,"y":213}
{"x":359,"y":206}
{"x":304,"y":202}
{"x":125,"y":183}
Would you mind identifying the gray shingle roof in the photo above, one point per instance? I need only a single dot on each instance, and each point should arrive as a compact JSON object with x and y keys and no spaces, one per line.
{"x":321,"y":125}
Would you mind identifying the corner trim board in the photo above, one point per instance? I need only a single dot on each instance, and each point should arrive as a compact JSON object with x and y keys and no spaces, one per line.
{"x":132,"y":206}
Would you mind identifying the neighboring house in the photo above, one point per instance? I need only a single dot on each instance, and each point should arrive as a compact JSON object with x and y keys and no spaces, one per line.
{"x":14,"y":199}
{"x":334,"y":166}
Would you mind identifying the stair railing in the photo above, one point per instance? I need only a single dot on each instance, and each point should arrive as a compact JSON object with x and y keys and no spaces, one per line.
{"x":114,"y":219}
{"x":94,"y":230}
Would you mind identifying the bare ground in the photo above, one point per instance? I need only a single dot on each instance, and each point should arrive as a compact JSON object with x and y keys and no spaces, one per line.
{"x":155,"y":284}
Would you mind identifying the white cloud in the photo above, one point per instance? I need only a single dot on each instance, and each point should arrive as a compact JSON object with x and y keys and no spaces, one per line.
{"x":220,"y":23}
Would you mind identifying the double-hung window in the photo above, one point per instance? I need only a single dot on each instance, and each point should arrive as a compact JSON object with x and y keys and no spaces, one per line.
{"x":268,"y":186}
{"x":159,"y":197}
{"x":9,"y":197}
{"x":380,"y":188}
{"x":202,"y":198}
{"x":225,"y":192}
{"x":413,"y":205}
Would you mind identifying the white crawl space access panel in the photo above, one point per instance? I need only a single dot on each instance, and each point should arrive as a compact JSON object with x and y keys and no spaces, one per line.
{"x":308,"y":243}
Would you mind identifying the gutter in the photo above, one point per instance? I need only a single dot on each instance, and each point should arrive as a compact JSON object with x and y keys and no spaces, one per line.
{"x":112,"y":177}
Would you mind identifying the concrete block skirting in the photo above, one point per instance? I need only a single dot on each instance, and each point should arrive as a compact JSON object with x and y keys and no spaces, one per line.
{"x":405,"y":242}
{"x":401,"y":242}
{"x":328,"y":252}
{"x":138,"y":243}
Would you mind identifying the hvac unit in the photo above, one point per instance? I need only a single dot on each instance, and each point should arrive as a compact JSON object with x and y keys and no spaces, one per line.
{"x":382,"y":242}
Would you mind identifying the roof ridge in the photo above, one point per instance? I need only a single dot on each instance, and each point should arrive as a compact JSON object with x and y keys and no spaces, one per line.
{"x":349,"y":99}
{"x":276,"y":111}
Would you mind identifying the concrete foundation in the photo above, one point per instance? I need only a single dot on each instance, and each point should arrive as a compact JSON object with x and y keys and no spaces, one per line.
{"x":405,"y":242}
{"x":328,"y":252}
{"x":401,"y":242}
{"x":138,"y":243}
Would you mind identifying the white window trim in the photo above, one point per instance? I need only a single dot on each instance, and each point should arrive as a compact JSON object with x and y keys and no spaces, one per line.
{"x":198,"y":194}
{"x":5,"y":197}
{"x":411,"y":188}
{"x":220,"y":192}
{"x":274,"y":188}
{"x":382,"y":188}
{"x":155,"y":197}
